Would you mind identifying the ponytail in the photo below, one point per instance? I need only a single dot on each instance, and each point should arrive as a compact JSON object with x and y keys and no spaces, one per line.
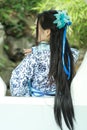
{"x":61,"y":64}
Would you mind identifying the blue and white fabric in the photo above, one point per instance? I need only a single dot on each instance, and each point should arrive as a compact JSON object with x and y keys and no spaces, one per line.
{"x":30,"y":77}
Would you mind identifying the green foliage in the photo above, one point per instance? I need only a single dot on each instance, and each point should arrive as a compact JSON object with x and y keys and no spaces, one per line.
{"x":79,"y":25}
{"x":15,"y":14}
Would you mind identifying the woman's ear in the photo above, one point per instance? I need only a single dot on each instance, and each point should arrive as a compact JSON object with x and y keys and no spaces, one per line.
{"x":47,"y":32}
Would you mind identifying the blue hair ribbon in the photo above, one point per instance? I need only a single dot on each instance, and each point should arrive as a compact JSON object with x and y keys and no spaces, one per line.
{"x":67,"y":70}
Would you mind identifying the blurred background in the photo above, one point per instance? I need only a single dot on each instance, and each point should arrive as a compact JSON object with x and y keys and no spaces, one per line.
{"x":17,"y":30}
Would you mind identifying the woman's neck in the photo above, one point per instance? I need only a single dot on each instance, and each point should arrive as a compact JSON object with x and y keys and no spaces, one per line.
{"x":46,"y":42}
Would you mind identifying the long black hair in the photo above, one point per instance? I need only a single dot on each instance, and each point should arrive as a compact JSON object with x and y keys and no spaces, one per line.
{"x":63,"y":102}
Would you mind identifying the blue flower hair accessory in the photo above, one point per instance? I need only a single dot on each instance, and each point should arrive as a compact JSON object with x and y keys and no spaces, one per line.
{"x":63,"y":20}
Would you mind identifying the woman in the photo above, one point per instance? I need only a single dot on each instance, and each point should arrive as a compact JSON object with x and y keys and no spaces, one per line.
{"x":48,"y":69}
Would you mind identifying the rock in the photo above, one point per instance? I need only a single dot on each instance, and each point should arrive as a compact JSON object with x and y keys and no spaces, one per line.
{"x":80,"y":58}
{"x":14,"y":47}
{"x":2,"y":37}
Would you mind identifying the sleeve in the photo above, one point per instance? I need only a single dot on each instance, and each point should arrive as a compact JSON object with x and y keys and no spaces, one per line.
{"x":21,"y":76}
